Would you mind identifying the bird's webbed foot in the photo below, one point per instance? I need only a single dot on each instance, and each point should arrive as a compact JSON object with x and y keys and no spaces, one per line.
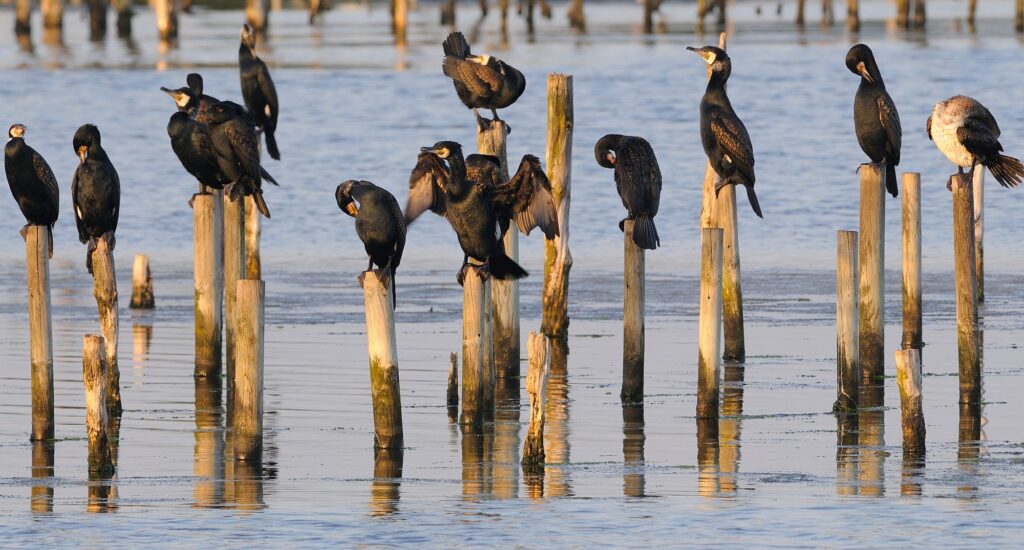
{"x":484,"y":271}
{"x":508,"y":129}
{"x":482,"y":124}
{"x":111,"y":241}
{"x":622,"y":223}
{"x":460,"y":277}
{"x":385,"y":276}
{"x":720,"y":184}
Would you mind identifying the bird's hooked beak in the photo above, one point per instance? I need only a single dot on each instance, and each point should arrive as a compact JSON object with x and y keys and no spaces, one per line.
{"x":180,"y":98}
{"x":83,"y":152}
{"x":864,"y":71}
{"x":344,"y":198}
{"x":611,"y":157}
{"x":708,"y":56}
{"x":441,"y":152}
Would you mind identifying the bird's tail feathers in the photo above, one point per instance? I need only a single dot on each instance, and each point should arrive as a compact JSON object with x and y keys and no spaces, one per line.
{"x":503,"y":267}
{"x":645,"y":235}
{"x":456,"y":45}
{"x":1008,"y":171}
{"x":272,"y":146}
{"x":267,"y":177}
{"x":890,"y":180}
{"x":752,"y":197}
{"x":257,"y":197}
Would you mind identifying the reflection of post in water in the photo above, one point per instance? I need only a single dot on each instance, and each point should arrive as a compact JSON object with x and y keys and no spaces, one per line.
{"x":477,"y":452}
{"x":969,"y":448}
{"x":208,"y":467}
{"x":707,"y":457}
{"x":912,"y":474}
{"x":506,"y":438}
{"x":633,"y":451}
{"x":42,"y":469}
{"x":142,"y":335}
{"x":729,"y":426}
{"x":847,"y":467}
{"x":387,"y":478}
{"x":871,"y":440}
{"x":556,"y":426}
{"x":247,"y":479}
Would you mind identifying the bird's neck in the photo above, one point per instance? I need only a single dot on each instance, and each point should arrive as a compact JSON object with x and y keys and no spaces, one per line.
{"x":97,"y":153}
{"x":716,"y":93}
{"x":244,"y":52}
{"x":878,"y":83}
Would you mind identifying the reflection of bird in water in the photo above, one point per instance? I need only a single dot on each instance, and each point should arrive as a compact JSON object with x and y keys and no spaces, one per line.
{"x":379,"y":224}
{"x":95,"y":192}
{"x":967,"y":133}
{"x":32,"y":183}
{"x":258,"y":89}
{"x":238,"y":153}
{"x":874,"y":115}
{"x":525,"y":197}
{"x":638,"y":181}
{"x":722,"y":133}
{"x":468,"y":205}
{"x":482,"y":81}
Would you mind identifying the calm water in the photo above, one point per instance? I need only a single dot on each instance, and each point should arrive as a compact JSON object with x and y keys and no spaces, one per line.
{"x":783,"y":472}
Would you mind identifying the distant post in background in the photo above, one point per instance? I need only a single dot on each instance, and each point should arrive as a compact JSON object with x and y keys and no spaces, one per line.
{"x":539,"y":351}
{"x":632,"y":319}
{"x":98,"y":19}
{"x":40,"y":330}
{"x":253,"y":265}
{"x":53,"y":13}
{"x":124,"y":18}
{"x":22,"y":17}
{"x":557,"y":259}
{"x":142,"y":284}
{"x":257,"y":15}
{"x":247,"y":395}
{"x":979,"y":231}
{"x":919,"y":14}
{"x":400,"y":15}
{"x":234,"y":270}
{"x":902,"y":13}
{"x":94,"y":375}
{"x":847,"y":348}
{"x":852,"y":15}
{"x":166,"y":19}
{"x":105,"y":289}
{"x":908,"y":377}
{"x":710,"y":323}
{"x":912,"y":324}
{"x":383,"y":353}
{"x":208,"y":213}
{"x":966,"y":291}
{"x":872,"y":273}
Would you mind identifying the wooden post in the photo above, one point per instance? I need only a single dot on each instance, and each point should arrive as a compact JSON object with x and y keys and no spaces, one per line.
{"x":912,"y":325}
{"x":105,"y":289}
{"x":902,"y":13}
{"x":919,"y":14}
{"x":98,"y":19}
{"x":94,"y":375}
{"x":908,"y":377}
{"x":710,"y":322}
{"x":383,"y":352}
{"x":488,"y":372}
{"x":22,"y":17}
{"x":453,"y":385}
{"x":400,"y":13}
{"x":124,"y":18}
{"x":253,"y":265}
{"x":852,"y":15}
{"x":166,"y":20}
{"x":649,"y":16}
{"x":557,"y":259}
{"x":847,"y":350}
{"x":972,"y":7}
{"x":539,"y":350}
{"x":142,"y":284}
{"x":966,"y":290}
{"x":247,"y":395}
{"x":208,"y":213}
{"x":872,"y":272}
{"x":473,"y":333}
{"x":576,"y":17}
{"x":256,"y":14}
{"x":53,"y":13}
{"x":979,"y":231}
{"x":40,"y":331}
{"x":632,"y":320}
{"x":234,"y":271}
{"x":800,"y":12}
{"x":1019,"y":19}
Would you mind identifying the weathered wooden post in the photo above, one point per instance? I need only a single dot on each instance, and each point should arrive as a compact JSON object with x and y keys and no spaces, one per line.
{"x":124,"y":17}
{"x":908,"y":377}
{"x":557,"y":259}
{"x":98,"y":19}
{"x":847,"y":350}
{"x":872,"y":273}
{"x":94,"y":375}
{"x":257,"y":15}
{"x":400,"y":14}
{"x":649,"y":6}
{"x":53,"y":13}
{"x":142,"y":284}
{"x":383,"y":352}
{"x":902,"y":13}
{"x":979,"y":231}
{"x":972,"y":7}
{"x":105,"y":289}
{"x":234,"y":271}
{"x":1019,"y":20}
{"x":22,"y":17}
{"x":473,"y":334}
{"x":800,"y":12}
{"x":40,"y":331}
{"x":710,"y":323}
{"x":208,"y":214}
{"x":966,"y":290}
{"x":576,"y":17}
{"x":539,"y":350}
{"x":912,"y":324}
{"x":247,"y":394}
{"x":489,"y":375}
{"x":166,"y":19}
{"x":253,"y":265}
{"x":852,"y":15}
{"x":632,"y":320}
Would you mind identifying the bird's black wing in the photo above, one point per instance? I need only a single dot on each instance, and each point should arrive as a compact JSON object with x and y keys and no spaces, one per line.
{"x":534,"y":204}
{"x":484,"y":170}
{"x":480,"y":79}
{"x":734,"y":141}
{"x":269,"y":92}
{"x":891,"y":123}
{"x":246,"y":149}
{"x":115,"y":200}
{"x":396,"y":211}
{"x":45,"y":175}
{"x":977,"y":137}
{"x":639,"y":176}
{"x":83,"y":237}
{"x":427,"y":184}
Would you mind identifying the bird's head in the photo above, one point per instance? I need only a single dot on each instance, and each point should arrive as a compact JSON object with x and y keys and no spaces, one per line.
{"x":182,"y":96}
{"x":604,"y":150}
{"x":861,"y":62}
{"x":16,"y":131}
{"x":343,"y":194}
{"x":195,"y":83}
{"x":248,"y":37}
{"x":717,"y":60}
{"x":86,"y":137}
{"x":443,"y":149}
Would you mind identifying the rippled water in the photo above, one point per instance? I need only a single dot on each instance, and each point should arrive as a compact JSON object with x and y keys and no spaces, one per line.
{"x":784,"y":472}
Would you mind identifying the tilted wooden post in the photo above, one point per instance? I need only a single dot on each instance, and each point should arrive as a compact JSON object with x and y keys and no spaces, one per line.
{"x":577,"y":20}
{"x":972,"y":7}
{"x":557,"y":259}
{"x":105,"y":289}
{"x":847,"y":350}
{"x":632,"y":319}
{"x":912,"y":325}
{"x":234,"y":271}
{"x":142,"y":284}
{"x":710,"y":323}
{"x":247,"y":395}
{"x":208,"y":213}
{"x":40,"y":330}
{"x":908,"y":377}
{"x":124,"y":17}
{"x":473,"y":334}
{"x":979,"y":231}
{"x":649,"y":16}
{"x":872,"y":273}
{"x":539,"y":351}
{"x":253,"y":265}
{"x":966,"y":290}
{"x":94,"y":375}
{"x":383,"y":352}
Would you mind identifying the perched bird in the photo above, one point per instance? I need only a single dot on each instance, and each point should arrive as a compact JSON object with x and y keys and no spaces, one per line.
{"x":638,"y":181}
{"x":191,"y":98}
{"x":238,"y":153}
{"x":468,"y":205}
{"x":874,"y":115}
{"x":258,"y":89}
{"x":722,"y":133}
{"x":95,"y":192}
{"x":525,"y":197}
{"x":192,"y":142}
{"x":379,"y":224}
{"x":32,"y":182}
{"x":482,"y":81}
{"x":967,"y":133}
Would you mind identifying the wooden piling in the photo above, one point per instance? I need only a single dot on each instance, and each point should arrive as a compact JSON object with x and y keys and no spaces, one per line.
{"x":105,"y":290}
{"x":902,"y":13}
{"x":577,"y":20}
{"x":98,"y":19}
{"x":40,"y":330}
{"x":473,"y":333}
{"x":257,"y":15}
{"x":94,"y":375}
{"x":919,"y":14}
{"x":912,"y":323}
{"x":908,"y":377}
{"x":1019,"y":19}
{"x":557,"y":258}
{"x":124,"y":17}
{"x":208,"y":214}
{"x":247,"y":395}
{"x":22,"y":17}
{"x":632,"y":319}
{"x":979,"y":231}
{"x":253,"y":265}
{"x":142,"y":284}
{"x":234,"y":271}
{"x":53,"y":13}
{"x":972,"y":8}
{"x":489,"y":376}
{"x":400,"y":14}
{"x":847,"y":338}
{"x":966,"y":290}
{"x":539,"y":350}
{"x":649,"y":6}
{"x":166,"y":19}
{"x":800,"y":12}
{"x":852,"y":15}
{"x":383,"y":353}
{"x":872,"y":272}
{"x":710,"y":323}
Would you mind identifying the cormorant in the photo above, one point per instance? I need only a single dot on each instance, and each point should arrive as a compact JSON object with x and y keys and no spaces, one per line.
{"x":258,"y":89}
{"x":379,"y":224}
{"x":874,"y":115}
{"x":722,"y":133}
{"x":967,"y":133}
{"x":525,"y":197}
{"x":238,"y":153}
{"x":638,"y":181}
{"x":468,"y":205}
{"x":482,"y":81}
{"x":192,"y":142}
{"x":95,"y":192}
{"x":32,"y":182}
{"x":191,"y":98}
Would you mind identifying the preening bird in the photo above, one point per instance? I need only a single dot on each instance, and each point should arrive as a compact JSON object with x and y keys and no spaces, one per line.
{"x":722,"y":133}
{"x":238,"y":153}
{"x":32,"y":182}
{"x":967,"y":133}
{"x":525,"y":197}
{"x":258,"y":89}
{"x":468,"y":206}
{"x":482,"y":81}
{"x":95,"y":192}
{"x":638,"y":181}
{"x":874,"y":115}
{"x":379,"y":224}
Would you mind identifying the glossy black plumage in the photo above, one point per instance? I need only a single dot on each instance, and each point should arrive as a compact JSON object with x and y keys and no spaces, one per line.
{"x":722,"y":133}
{"x":192,"y":143}
{"x":32,"y":182}
{"x":95,"y":192}
{"x":525,"y":197}
{"x":258,"y":89}
{"x":874,"y":115}
{"x":238,"y":152}
{"x":481,"y":81}
{"x":638,"y":181}
{"x":379,"y":224}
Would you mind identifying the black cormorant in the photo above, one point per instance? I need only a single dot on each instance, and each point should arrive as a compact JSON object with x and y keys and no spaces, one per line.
{"x":95,"y":192}
{"x":468,"y":205}
{"x":192,"y":142}
{"x":238,"y":153}
{"x":482,"y":81}
{"x":967,"y":133}
{"x":379,"y":224}
{"x":722,"y":133}
{"x":258,"y":89}
{"x":32,"y":182}
{"x":525,"y":197}
{"x":874,"y":115}
{"x":638,"y":181}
